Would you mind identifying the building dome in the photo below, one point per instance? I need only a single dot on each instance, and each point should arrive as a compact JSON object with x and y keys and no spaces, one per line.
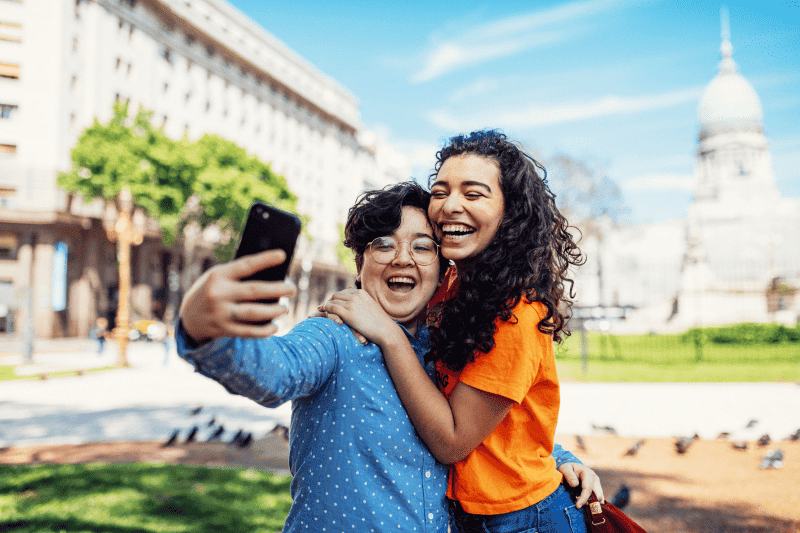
{"x":729,"y":102}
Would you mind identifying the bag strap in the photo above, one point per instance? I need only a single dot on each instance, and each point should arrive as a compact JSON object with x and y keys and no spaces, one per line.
{"x":595,"y":514}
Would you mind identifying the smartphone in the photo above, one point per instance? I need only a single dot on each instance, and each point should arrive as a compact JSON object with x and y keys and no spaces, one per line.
{"x":269,"y":228}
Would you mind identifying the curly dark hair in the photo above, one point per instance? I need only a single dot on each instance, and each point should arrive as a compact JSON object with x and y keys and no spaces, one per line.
{"x":529,"y":257}
{"x":378,"y":213}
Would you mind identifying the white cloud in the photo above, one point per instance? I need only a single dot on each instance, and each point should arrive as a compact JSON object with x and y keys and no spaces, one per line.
{"x":535,"y":116}
{"x":506,"y":37}
{"x":659,"y":182}
{"x":479,"y":87}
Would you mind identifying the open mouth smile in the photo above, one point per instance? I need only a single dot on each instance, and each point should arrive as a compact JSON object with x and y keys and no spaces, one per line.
{"x":455,"y":231}
{"x":401,"y":283}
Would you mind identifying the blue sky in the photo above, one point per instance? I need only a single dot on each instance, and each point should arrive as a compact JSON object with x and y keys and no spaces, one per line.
{"x":615,"y":83}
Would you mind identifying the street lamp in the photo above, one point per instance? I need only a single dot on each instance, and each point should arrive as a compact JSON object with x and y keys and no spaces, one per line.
{"x":126,"y":227}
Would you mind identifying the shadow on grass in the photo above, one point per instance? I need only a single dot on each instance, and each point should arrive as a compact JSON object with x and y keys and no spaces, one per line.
{"x":666,"y":514}
{"x":141,"y":497}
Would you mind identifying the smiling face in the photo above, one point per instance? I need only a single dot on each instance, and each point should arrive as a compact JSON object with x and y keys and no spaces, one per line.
{"x":402,"y":287}
{"x":466,"y":205}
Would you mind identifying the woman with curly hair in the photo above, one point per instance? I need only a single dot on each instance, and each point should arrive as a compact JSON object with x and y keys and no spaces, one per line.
{"x":493,"y":321}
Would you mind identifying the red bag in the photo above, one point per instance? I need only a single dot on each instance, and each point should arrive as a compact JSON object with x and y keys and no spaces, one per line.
{"x":606,"y":518}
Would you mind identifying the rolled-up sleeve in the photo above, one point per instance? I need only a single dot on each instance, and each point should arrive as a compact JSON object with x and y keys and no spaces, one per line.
{"x":563,"y":456}
{"x":273,"y":370}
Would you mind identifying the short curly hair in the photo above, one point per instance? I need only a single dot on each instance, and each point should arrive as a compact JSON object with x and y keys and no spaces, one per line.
{"x":378,"y":213}
{"x":528,"y":257}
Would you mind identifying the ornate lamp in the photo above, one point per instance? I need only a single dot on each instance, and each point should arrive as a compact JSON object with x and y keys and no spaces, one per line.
{"x":126,"y":227}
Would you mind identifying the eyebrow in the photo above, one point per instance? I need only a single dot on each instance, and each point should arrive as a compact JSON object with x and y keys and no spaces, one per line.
{"x":464,"y":184}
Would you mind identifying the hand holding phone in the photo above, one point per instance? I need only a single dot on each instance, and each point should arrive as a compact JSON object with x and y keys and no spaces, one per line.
{"x":269,"y":228}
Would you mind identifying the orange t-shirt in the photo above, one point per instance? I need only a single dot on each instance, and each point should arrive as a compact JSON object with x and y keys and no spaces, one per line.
{"x":512,"y":468}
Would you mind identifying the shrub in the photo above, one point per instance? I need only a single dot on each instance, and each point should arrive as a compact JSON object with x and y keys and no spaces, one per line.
{"x":745,"y":333}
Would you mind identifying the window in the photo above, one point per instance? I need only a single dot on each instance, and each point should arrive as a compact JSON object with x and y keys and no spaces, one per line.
{"x":6,"y":196}
{"x":7,"y":110}
{"x":10,"y":31}
{"x":9,"y":70}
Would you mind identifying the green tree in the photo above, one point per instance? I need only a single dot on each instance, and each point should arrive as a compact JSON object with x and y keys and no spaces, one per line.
{"x":210,"y":181}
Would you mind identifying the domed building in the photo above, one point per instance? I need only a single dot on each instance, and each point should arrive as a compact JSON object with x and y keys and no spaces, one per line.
{"x":742,"y":258}
{"x":735,"y":257}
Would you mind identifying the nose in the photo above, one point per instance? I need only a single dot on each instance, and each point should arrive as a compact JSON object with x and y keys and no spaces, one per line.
{"x":403,"y":256}
{"x":452,"y":204}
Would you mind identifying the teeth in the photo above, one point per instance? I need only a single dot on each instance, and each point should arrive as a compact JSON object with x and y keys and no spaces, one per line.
{"x":400,"y":279}
{"x":456,"y":228}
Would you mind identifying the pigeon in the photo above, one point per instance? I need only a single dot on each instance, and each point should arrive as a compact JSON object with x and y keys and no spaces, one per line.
{"x":723,"y":435}
{"x":607,"y":429}
{"x":794,"y":436}
{"x":773,"y":459}
{"x":245,"y":441}
{"x":683,"y":443}
{"x":580,"y":444}
{"x":196,"y":411}
{"x":281,"y":430}
{"x":621,"y":498}
{"x":192,"y":434}
{"x":172,"y":440}
{"x":739,"y":445}
{"x":217,"y":433}
{"x":633,"y":450}
{"x":751,"y":424}
{"x":764,"y":440}
{"x":238,"y":437}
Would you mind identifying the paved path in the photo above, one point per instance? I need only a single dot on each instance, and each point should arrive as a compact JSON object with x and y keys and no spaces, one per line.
{"x":150,"y":400}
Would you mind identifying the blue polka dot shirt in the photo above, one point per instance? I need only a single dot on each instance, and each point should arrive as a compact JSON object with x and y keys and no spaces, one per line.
{"x":357,"y":462}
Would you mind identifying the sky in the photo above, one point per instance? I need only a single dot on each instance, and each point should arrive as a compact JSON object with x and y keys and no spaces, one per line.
{"x":616,"y":84}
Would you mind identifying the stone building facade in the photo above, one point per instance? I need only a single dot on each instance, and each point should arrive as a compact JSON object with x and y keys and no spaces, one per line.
{"x":735,"y":257}
{"x":202,"y":67}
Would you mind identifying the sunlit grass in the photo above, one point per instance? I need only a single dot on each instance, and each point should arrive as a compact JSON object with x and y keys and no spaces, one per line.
{"x":142,"y":498}
{"x":671,"y":358}
{"x":8,"y":373}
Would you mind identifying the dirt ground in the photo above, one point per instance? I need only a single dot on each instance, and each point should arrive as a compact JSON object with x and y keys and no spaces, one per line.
{"x":713,"y":488}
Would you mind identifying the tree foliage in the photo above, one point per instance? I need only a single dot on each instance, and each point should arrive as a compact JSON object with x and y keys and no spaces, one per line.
{"x":584,"y":192}
{"x":211,"y":180}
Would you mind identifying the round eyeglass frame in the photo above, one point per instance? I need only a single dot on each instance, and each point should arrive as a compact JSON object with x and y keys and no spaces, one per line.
{"x":410,"y":250}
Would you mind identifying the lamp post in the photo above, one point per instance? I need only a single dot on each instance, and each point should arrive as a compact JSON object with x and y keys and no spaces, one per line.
{"x":126,"y":227}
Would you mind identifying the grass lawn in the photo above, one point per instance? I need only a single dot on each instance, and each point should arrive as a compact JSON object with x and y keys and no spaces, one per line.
{"x":615,"y":372}
{"x":141,"y":498}
{"x":669,"y":358}
{"x":7,"y":373}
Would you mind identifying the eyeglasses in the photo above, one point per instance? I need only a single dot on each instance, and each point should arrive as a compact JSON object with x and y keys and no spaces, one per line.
{"x":424,"y":250}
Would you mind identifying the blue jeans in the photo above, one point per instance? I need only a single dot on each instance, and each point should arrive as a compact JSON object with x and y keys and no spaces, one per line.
{"x":554,"y":514}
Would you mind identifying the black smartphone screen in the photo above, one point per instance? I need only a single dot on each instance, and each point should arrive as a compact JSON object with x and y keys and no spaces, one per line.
{"x":269,"y":228}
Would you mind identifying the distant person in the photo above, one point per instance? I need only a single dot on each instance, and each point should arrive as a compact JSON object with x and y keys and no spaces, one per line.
{"x":493,"y":322}
{"x":99,"y":331}
{"x":358,"y":464}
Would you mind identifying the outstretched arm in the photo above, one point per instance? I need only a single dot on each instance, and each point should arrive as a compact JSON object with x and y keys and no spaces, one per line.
{"x":221,"y":304}
{"x":451,"y":429}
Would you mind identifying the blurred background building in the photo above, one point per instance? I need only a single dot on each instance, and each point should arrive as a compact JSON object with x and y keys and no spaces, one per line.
{"x":202,"y":67}
{"x":734,"y":258}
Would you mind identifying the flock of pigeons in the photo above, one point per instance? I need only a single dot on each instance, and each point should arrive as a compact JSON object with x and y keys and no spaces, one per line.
{"x":772,"y":459}
{"x":241,"y":438}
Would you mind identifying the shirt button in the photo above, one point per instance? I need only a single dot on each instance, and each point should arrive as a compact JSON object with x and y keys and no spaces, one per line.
{"x":430,"y":516}
{"x":428,"y":473}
